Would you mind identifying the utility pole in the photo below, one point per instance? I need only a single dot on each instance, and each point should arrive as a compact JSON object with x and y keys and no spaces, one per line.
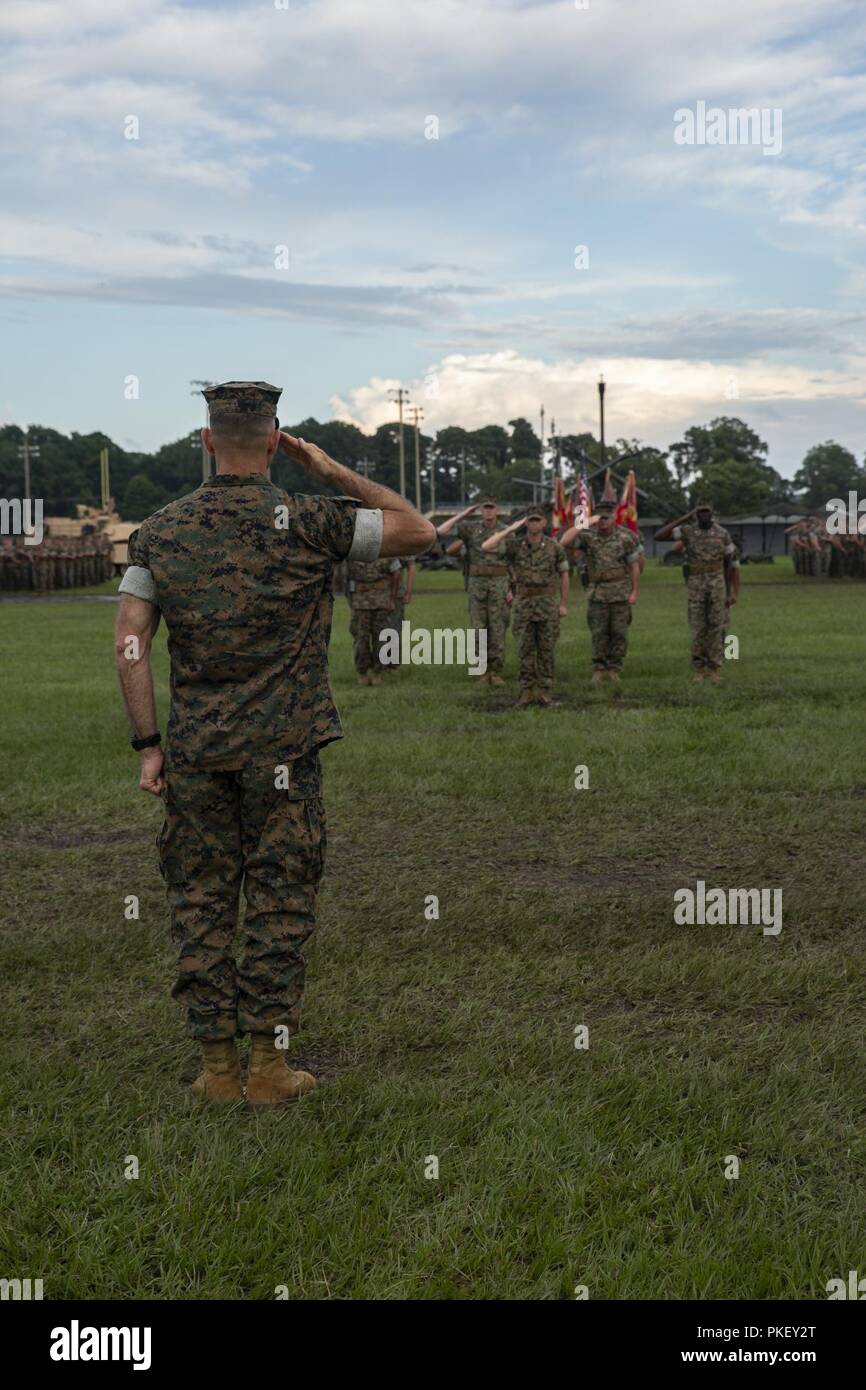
{"x":198,"y":387}
{"x":601,"y":417}
{"x":103,"y":477}
{"x":27,"y":451}
{"x":417,"y":414}
{"x":401,"y":396}
{"x":541,"y":457}
{"x":463,"y":477}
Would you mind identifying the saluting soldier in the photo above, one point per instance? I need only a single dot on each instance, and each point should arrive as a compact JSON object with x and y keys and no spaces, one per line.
{"x":613,"y":554}
{"x":708,"y":551}
{"x":488,"y":584}
{"x":241,"y":573}
{"x":539,"y":569}
{"x":372,"y":593}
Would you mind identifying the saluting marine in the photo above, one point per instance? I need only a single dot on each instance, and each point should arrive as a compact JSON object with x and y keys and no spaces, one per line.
{"x":612,"y":554}
{"x":372,"y":592}
{"x":539,"y":570}
{"x":241,"y":572}
{"x":488,"y":584}
{"x":709,"y":552}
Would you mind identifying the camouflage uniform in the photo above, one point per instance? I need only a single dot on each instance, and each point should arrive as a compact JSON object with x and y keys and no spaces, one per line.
{"x":536,"y":570}
{"x":370,"y":597}
{"x":487,"y":588}
{"x":608,"y":611}
{"x":397,"y":614}
{"x":705,"y":554}
{"x":248,"y":610}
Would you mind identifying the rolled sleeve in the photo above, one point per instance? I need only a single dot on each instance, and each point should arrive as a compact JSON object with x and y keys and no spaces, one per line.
{"x":139,"y":582}
{"x":367,"y":539}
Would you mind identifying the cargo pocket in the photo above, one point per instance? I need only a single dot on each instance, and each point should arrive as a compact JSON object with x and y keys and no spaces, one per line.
{"x":304,"y":822}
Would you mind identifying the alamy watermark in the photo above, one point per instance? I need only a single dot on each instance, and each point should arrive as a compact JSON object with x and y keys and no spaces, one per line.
{"x":441,"y":646}
{"x":846,"y":519}
{"x":22,"y":518}
{"x":736,"y":126}
{"x":719,"y":907}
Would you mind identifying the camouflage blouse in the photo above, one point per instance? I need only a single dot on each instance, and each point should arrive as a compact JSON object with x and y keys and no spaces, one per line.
{"x":704,"y":547}
{"x":242,"y":576}
{"x":607,"y":562}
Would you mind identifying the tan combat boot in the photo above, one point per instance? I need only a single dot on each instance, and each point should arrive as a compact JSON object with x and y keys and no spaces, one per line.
{"x":362,"y":679}
{"x":542,"y":698}
{"x":374,"y":678}
{"x":220,"y":1076}
{"x":598,"y":677}
{"x":494,"y":679}
{"x":613,"y":677}
{"x":715,"y":677}
{"x":527,"y":697}
{"x":698,"y":678}
{"x":269,"y":1080}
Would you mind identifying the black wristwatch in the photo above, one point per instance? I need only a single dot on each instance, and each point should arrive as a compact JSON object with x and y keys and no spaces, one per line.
{"x":150,"y":742}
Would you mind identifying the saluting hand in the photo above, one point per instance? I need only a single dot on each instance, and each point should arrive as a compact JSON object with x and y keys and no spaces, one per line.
{"x":309,"y":456}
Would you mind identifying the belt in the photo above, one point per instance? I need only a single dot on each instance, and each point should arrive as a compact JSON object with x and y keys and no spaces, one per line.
{"x":608,"y":576}
{"x":487,"y":571}
{"x":535,"y":590}
{"x":705,"y":567}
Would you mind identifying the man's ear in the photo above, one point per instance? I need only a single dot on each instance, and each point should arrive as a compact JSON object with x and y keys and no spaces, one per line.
{"x":207,"y":441}
{"x":273,"y":442}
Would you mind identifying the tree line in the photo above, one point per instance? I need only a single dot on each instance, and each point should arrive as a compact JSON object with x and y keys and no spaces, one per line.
{"x":724,"y":460}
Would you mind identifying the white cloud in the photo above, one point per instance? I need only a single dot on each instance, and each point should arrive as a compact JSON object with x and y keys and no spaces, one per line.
{"x":649,"y":398}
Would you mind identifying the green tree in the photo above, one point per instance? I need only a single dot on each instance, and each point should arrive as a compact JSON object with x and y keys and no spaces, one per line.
{"x":525,"y":443}
{"x":723,"y":439}
{"x":828,"y":470}
{"x":734,"y":487}
{"x":141,"y":498}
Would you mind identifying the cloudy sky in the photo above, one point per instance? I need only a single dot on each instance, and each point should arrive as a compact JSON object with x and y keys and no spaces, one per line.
{"x":340,"y":195}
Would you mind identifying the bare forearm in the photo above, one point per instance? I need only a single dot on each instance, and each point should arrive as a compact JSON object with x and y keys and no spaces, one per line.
{"x":448,"y":525}
{"x":492,"y":541}
{"x":634,"y":571}
{"x":136,"y":687}
{"x":563,"y":589}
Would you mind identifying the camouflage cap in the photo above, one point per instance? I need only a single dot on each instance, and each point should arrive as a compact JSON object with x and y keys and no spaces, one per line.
{"x":489,"y":501}
{"x":607,"y":504}
{"x":702,"y":505}
{"x":535,"y":515}
{"x":242,"y":398}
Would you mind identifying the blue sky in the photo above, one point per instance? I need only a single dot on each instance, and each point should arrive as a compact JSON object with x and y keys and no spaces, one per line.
{"x":721,"y":279}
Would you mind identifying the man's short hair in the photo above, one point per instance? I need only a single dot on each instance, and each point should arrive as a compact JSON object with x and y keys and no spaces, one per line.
{"x":239,"y":431}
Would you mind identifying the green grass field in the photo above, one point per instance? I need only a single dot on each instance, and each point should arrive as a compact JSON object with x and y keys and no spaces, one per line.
{"x":557,"y":1167}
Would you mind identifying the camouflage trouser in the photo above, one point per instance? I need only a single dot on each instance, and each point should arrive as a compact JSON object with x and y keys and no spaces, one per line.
{"x":365,"y":627}
{"x":488,"y":609}
{"x":608,"y":625}
{"x":536,"y":628}
{"x":395,"y":619}
{"x":707,"y":600}
{"x":222,"y":829}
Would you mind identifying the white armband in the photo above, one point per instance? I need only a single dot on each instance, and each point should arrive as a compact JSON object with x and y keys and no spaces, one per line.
{"x":367,"y":540}
{"x":138,"y":581}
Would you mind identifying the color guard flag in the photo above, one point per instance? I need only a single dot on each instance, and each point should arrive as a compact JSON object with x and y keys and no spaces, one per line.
{"x":626,"y":512}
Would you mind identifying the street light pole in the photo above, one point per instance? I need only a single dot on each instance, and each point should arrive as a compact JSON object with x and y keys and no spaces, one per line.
{"x":417,"y":414}
{"x":401,"y":396}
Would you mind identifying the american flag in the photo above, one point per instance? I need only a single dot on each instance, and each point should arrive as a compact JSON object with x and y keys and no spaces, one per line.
{"x":584,"y":502}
